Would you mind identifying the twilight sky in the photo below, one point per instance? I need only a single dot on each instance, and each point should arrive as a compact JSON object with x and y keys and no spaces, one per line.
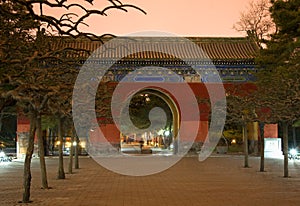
{"x":179,"y":17}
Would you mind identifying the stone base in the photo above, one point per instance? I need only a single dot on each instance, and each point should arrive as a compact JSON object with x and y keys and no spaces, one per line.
{"x":273,"y":148}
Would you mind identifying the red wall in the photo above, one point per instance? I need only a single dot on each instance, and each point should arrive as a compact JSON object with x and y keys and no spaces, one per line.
{"x":23,"y":124}
{"x":271,"y":130}
{"x":112,"y":134}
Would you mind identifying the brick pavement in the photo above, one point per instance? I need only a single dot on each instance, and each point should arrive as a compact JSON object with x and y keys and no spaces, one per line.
{"x":220,"y":180}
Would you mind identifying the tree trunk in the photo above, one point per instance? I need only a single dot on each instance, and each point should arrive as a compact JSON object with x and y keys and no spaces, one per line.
{"x":53,"y":138}
{"x":1,"y":120}
{"x":50,"y":141}
{"x":76,"y":152}
{"x":285,"y":150}
{"x":71,"y":152}
{"x":294,"y":137}
{"x":27,"y":163}
{"x":245,"y":137}
{"x":41,"y":152}
{"x":262,"y":147}
{"x":61,"y":172}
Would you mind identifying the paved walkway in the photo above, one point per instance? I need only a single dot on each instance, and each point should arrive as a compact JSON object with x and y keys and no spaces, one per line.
{"x":220,"y":180}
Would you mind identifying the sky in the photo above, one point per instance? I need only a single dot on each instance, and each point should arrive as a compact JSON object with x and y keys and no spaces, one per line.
{"x":178,"y":17}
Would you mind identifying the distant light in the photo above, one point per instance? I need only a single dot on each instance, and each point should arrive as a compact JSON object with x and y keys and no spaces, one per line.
{"x":293,"y":152}
{"x":74,"y":143}
{"x":58,"y":142}
{"x":82,"y":144}
{"x":68,"y":144}
{"x":2,"y":154}
{"x":160,"y":132}
{"x":233,"y":141}
{"x":167,"y":133}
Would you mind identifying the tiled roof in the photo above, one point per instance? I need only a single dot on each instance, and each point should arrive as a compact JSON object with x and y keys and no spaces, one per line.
{"x":213,"y":47}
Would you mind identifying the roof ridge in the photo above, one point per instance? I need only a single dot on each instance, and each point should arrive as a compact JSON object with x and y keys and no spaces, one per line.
{"x":238,"y":48}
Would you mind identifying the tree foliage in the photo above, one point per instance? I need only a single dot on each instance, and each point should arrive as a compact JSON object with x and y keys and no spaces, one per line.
{"x":278,"y":85}
{"x":241,"y":110}
{"x":32,"y":72}
{"x":279,"y":80}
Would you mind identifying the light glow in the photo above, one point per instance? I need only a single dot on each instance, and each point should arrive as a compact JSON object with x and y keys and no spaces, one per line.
{"x":293,"y":152}
{"x":2,"y":154}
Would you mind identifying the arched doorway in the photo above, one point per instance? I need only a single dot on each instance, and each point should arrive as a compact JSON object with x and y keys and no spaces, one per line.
{"x":150,"y":131}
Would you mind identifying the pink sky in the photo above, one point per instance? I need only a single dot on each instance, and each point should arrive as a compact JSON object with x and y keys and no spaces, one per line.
{"x":179,"y":17}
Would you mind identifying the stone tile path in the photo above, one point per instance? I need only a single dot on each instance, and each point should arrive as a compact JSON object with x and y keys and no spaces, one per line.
{"x":220,"y":180}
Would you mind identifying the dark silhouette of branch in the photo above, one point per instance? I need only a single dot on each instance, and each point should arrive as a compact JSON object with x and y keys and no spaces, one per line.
{"x":64,"y":24}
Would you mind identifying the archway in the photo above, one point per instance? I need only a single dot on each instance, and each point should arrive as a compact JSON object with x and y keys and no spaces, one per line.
{"x":146,"y":134}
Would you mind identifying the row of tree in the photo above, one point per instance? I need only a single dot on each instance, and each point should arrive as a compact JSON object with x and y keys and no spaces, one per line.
{"x":275,"y":26}
{"x":37,"y":78}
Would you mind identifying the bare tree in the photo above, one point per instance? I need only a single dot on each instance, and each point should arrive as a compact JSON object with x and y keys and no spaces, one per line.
{"x":256,"y":21}
{"x":69,"y":22}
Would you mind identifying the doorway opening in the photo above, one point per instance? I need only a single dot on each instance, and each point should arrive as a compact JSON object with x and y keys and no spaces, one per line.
{"x":153,"y":126}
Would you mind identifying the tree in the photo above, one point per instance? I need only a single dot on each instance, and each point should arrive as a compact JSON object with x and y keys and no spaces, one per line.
{"x":279,"y":92}
{"x":256,"y":21}
{"x":17,"y":49}
{"x":15,"y":35}
{"x":32,"y":91}
{"x":241,"y":111}
{"x":278,"y":85}
{"x":68,"y":23}
{"x":73,"y":135}
{"x":60,"y":106}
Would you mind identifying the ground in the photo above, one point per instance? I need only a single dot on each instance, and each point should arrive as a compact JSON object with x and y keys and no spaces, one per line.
{"x":219,"y":180}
